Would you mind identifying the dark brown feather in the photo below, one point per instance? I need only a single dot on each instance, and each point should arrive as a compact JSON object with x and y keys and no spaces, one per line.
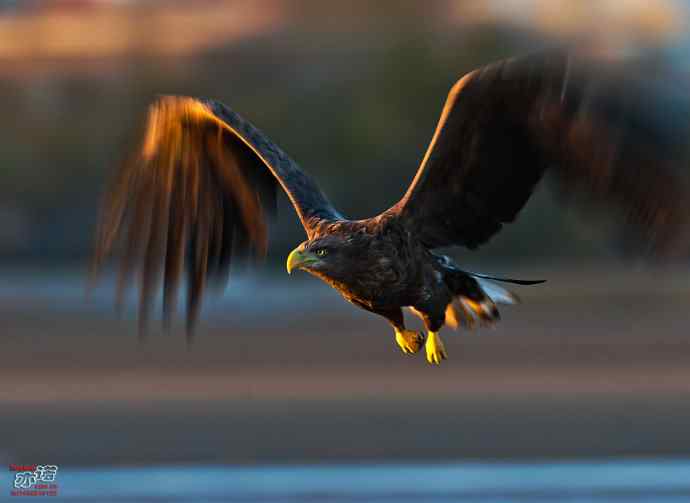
{"x":137,"y":236}
{"x":504,"y":125}
{"x":175,"y":247}
{"x":197,"y":193}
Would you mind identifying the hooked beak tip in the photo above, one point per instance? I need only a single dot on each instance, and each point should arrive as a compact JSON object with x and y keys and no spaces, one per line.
{"x":294,"y":260}
{"x":297,"y":259}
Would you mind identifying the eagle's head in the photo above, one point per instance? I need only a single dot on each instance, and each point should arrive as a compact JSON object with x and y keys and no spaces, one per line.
{"x":334,"y":256}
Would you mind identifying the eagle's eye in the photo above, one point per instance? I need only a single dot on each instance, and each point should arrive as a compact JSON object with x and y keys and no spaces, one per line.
{"x":321,"y":252}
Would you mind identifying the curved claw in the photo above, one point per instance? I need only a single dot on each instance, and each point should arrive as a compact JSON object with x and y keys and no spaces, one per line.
{"x":435,"y":350}
{"x":409,"y":341}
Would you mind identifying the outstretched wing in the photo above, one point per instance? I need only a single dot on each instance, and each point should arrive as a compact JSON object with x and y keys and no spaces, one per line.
{"x":503,"y":125}
{"x":195,"y":194}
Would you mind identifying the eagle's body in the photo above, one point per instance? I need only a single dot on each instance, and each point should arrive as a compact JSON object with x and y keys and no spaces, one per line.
{"x":382,"y":268}
{"x":196,"y":193}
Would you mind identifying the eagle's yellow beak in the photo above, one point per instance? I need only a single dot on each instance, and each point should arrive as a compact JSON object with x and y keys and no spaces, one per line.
{"x":298,"y":258}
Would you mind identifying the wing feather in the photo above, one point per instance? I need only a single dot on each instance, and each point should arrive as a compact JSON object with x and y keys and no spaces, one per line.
{"x":196,"y":194}
{"x":593,"y":126}
{"x":175,"y":246}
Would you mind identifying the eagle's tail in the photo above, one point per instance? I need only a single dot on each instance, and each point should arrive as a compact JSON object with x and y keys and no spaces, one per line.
{"x":508,"y":280}
{"x":476,"y":299}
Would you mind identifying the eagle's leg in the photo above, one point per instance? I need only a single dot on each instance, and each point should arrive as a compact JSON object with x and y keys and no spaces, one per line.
{"x":409,"y":341}
{"x":435,"y":349}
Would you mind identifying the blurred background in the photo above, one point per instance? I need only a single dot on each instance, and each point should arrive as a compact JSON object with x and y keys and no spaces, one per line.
{"x":593,"y":365}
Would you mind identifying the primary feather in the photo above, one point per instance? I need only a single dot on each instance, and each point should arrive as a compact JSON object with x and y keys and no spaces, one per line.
{"x":194,"y":195}
{"x":589,"y":123}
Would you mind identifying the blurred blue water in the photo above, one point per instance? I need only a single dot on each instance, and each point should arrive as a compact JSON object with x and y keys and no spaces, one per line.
{"x":604,"y":480}
{"x":68,"y":292}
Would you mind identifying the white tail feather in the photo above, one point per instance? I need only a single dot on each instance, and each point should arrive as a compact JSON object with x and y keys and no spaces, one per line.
{"x":497,"y":293}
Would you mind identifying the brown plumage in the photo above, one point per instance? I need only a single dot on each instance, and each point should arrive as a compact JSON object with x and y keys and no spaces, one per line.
{"x":505,"y":124}
{"x":198,"y":191}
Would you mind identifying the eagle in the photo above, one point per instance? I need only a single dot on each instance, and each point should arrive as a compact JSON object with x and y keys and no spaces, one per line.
{"x":198,"y":192}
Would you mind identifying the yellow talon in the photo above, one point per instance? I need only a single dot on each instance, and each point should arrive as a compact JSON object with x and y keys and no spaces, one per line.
{"x":435,"y":350}
{"x":409,"y":341}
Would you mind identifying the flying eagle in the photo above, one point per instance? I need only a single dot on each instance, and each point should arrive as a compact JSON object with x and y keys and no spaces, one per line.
{"x":199,"y":189}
